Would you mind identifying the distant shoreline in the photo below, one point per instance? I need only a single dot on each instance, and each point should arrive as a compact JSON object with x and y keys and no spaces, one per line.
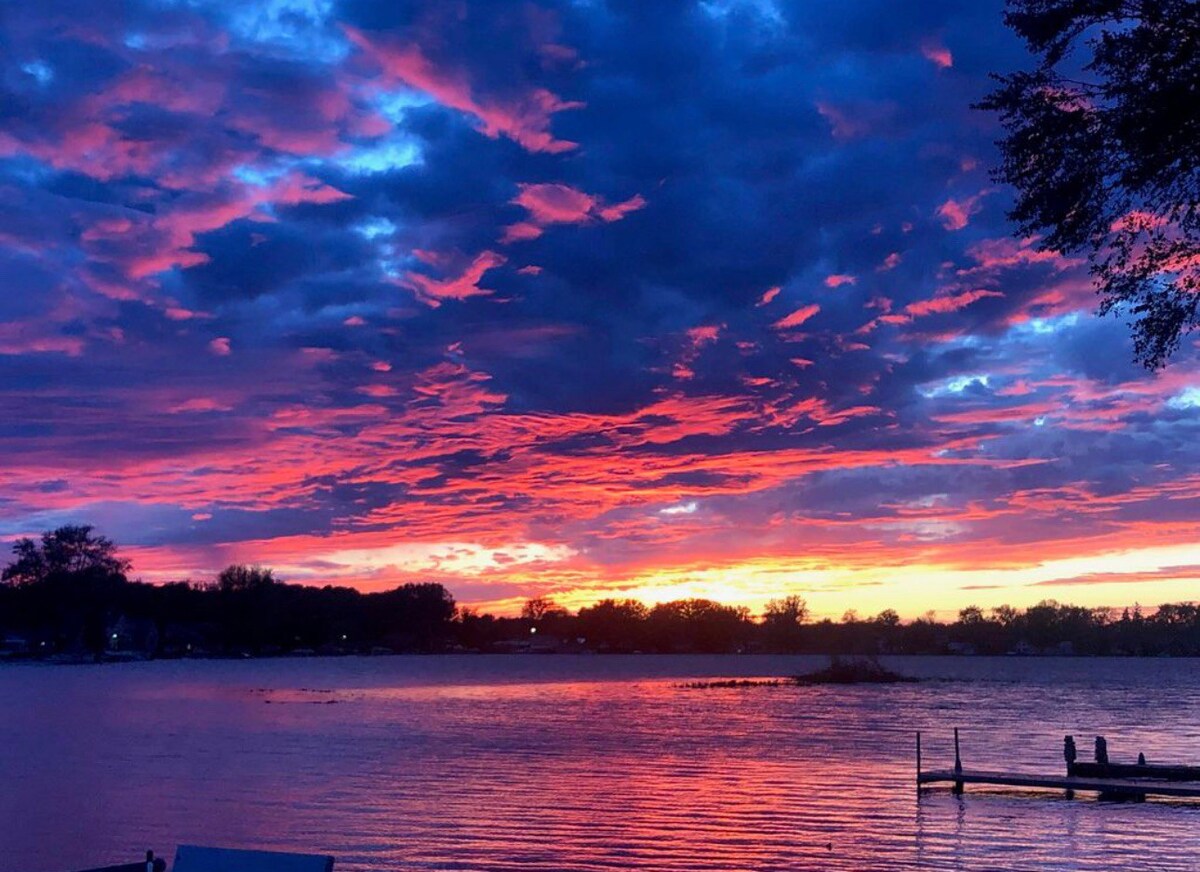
{"x":531,"y":655}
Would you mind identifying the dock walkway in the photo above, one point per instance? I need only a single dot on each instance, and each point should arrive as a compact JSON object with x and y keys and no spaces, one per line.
{"x":1124,"y":786}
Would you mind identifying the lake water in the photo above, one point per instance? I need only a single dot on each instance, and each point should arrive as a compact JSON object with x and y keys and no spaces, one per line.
{"x":582,"y":763}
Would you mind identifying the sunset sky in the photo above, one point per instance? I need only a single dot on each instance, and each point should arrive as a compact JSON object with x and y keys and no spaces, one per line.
{"x":576,"y":298}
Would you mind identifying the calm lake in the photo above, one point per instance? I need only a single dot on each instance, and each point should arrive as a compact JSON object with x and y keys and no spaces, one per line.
{"x":588,"y":763}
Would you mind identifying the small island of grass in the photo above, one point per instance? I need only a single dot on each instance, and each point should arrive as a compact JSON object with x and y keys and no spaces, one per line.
{"x":853,"y":670}
{"x":841,"y":670}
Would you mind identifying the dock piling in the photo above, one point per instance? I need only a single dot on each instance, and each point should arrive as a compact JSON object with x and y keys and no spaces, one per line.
{"x":958,"y":784}
{"x":918,"y":761}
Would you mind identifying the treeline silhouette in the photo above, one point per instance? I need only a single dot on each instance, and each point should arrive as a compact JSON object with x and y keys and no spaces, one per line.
{"x":68,"y":596}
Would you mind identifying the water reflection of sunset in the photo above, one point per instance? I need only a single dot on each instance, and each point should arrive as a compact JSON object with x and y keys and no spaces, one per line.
{"x":582,"y":762}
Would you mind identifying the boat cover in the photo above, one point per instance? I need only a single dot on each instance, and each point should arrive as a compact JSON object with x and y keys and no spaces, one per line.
{"x":194,"y":858}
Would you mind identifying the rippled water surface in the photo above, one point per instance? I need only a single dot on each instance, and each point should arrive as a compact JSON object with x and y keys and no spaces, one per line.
{"x":589,"y":763}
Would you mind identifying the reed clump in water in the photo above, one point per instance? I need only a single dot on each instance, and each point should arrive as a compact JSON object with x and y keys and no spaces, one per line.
{"x":841,"y":670}
{"x":853,"y":670}
{"x":737,"y":682}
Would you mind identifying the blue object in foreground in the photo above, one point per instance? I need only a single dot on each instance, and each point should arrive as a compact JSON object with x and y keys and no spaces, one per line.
{"x":193,"y":858}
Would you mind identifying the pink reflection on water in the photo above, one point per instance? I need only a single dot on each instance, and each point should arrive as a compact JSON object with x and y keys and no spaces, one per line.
{"x":579,"y":763}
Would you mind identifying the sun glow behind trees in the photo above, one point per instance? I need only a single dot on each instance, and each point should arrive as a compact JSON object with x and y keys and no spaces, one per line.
{"x":69,"y":595}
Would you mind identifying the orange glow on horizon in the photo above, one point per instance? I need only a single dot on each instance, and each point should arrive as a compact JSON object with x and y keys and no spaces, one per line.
{"x":1112,"y":578}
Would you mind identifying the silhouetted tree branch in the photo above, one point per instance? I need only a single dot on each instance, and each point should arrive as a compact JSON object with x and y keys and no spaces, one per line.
{"x":62,"y":553}
{"x":1102,"y":143}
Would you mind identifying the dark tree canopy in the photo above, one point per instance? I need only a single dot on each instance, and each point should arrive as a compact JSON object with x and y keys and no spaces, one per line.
{"x":789,"y":611}
{"x":1102,"y":143}
{"x":782,"y":622}
{"x":614,"y":625}
{"x":237,"y":577}
{"x":63,"y":553}
{"x":541,"y":608}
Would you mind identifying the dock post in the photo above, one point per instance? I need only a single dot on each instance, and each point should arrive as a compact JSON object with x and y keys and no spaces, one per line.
{"x":918,"y":761}
{"x":958,"y":785}
{"x":1069,"y":755}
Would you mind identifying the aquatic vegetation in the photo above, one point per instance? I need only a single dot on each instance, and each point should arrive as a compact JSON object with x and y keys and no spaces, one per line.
{"x":737,"y":682}
{"x":853,"y":670}
{"x":841,"y":670}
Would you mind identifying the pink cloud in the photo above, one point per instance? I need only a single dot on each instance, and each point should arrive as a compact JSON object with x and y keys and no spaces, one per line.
{"x":838,"y":279}
{"x":107,"y":228}
{"x":161,"y":261}
{"x":617,"y":211}
{"x":220,"y":346}
{"x":24,"y":337}
{"x":166,"y":240}
{"x":198,"y":93}
{"x":797,"y":318}
{"x":522,"y":231}
{"x":934,"y":51}
{"x":704,"y":334}
{"x":561,"y":204}
{"x":956,"y":214}
{"x":697,"y":338}
{"x":306,"y":120}
{"x":90,"y":146}
{"x":377,"y":390}
{"x":1007,"y":253}
{"x":768,"y":295}
{"x":890,"y":262}
{"x":1019,"y":388}
{"x":525,"y":119}
{"x":553,"y":204}
{"x":949,"y":303}
{"x":200,"y":404}
{"x":466,"y":284}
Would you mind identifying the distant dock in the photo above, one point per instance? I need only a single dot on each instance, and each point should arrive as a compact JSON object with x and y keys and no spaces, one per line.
{"x":1126,"y":781}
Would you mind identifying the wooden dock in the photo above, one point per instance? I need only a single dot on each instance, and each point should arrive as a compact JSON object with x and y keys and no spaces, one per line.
{"x":1108,"y":779}
{"x":1120,"y":786}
